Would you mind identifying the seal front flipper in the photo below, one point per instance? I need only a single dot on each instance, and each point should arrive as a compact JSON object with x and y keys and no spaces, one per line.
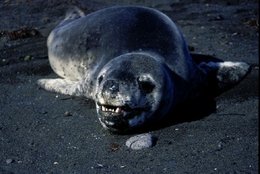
{"x":62,"y":86}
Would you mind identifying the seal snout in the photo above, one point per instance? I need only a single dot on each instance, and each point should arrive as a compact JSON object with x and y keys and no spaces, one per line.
{"x":110,"y":89}
{"x":116,"y":118}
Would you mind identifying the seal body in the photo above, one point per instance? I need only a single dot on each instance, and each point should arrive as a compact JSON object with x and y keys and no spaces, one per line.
{"x":132,"y":61}
{"x":85,"y":45}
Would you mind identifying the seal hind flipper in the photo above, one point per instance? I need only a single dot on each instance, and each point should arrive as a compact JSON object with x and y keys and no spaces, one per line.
{"x":71,"y":15}
{"x":62,"y":86}
{"x":226,"y":74}
{"x":231,"y":73}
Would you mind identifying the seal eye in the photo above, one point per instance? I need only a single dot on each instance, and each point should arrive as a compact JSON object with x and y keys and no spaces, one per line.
{"x":146,"y":86}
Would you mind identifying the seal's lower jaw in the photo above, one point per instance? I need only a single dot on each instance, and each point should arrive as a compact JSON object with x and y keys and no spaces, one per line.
{"x":120,"y":118}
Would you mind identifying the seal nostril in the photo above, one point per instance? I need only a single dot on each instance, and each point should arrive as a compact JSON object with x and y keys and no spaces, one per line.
{"x":100,"y":79}
{"x":111,"y":85}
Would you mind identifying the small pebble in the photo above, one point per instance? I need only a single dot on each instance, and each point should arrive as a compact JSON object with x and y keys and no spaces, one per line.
{"x":9,"y":161}
{"x":43,"y":112}
{"x":67,"y":114}
{"x":27,"y":58}
{"x":114,"y":147}
{"x":141,"y":141}
{"x":99,"y":166}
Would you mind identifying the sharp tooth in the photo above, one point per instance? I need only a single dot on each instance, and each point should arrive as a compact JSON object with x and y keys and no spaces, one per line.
{"x":105,"y":109}
{"x":109,"y":123}
{"x":118,"y":110}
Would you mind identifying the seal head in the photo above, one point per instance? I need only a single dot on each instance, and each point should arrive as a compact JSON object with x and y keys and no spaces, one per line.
{"x":131,"y":89}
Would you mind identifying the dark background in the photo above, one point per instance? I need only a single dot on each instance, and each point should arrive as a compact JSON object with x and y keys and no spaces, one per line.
{"x":42,"y":132}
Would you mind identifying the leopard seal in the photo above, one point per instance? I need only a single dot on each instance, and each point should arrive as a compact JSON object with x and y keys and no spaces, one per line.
{"x":133,"y":62}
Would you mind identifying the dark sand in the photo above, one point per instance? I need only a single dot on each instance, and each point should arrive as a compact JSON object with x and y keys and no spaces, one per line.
{"x":36,"y":136}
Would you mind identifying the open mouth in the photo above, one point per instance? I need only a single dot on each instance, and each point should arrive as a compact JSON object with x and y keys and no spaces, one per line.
{"x":117,"y":118}
{"x":109,"y":110}
{"x":113,"y":109}
{"x":125,"y":111}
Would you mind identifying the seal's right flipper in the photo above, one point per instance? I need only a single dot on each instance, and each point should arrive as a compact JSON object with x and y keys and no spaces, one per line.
{"x":62,"y":86}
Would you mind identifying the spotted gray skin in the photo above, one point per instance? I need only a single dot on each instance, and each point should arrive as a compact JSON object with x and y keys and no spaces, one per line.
{"x":132,"y":61}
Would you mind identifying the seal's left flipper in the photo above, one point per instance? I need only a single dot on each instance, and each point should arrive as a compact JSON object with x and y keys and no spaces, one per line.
{"x":227,"y":74}
{"x":62,"y":86}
